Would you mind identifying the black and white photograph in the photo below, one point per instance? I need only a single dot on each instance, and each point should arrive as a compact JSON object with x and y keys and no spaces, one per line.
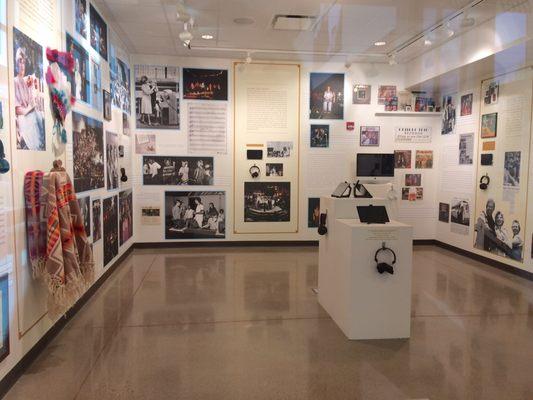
{"x":107,"y":105}
{"x":319,"y":136}
{"x":98,"y":33}
{"x":120,"y":85}
{"x":274,"y":169}
{"x":402,"y":159}
{"x":313,"y":212}
{"x":205,"y":84}
{"x":326,"y":99}
{"x":110,"y":224}
{"x":460,"y":212}
{"x":466,"y":149}
{"x":81,"y":15}
{"x":492,"y":93}
{"x":361,"y":94}
{"x":499,"y":234}
{"x":96,"y":85}
{"x":97,"y":220}
{"x":157,"y":97}
{"x":125,"y":209}
{"x":112,"y":160}
{"x":466,"y":104}
{"x":150,"y":215}
{"x":267,"y":201}
{"x":279,"y":149}
{"x":178,"y":170}
{"x":195,"y":215}
{"x":444,"y":212}
{"x":511,"y":175}
{"x":413,"y":179}
{"x":85,"y":208}
{"x":88,"y":153}
{"x":448,"y":115}
{"x":29,"y":92}
{"x":80,"y":81}
{"x":126,"y":124}
{"x":369,"y":136}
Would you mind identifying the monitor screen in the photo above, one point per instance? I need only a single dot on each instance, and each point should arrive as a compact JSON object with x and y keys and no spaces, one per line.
{"x":375,"y":165}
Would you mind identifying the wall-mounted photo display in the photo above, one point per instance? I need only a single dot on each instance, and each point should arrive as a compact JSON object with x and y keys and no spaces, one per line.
{"x":466,"y":104}
{"x":413,"y":179}
{"x":29,"y":92}
{"x":492,"y":92}
{"x":361,"y":94}
{"x":205,"y":84}
{"x":326,"y":98}
{"x":402,"y":159}
{"x":110,"y":212}
{"x":85,"y":209}
{"x":274,"y":169}
{"x":96,"y":85}
{"x":107,"y":105}
{"x":466,"y":149}
{"x":112,"y":160}
{"x":319,"y":136}
{"x":497,"y":234}
{"x":125,"y":207}
{"x":369,"y":135}
{"x":489,"y":125}
{"x":81,"y":17}
{"x":178,"y":170}
{"x":279,"y":149}
{"x":386,"y":93}
{"x":424,"y":159}
{"x":80,"y":81}
{"x":267,"y":201}
{"x":126,"y":124}
{"x":195,"y":215}
{"x":120,"y":84}
{"x":87,"y":153}
{"x":97,"y":220}
{"x":4,"y":310}
{"x":511,"y":167}
{"x":150,"y":215}
{"x":157,"y":97}
{"x":444,"y":212}
{"x":145,"y":143}
{"x":448,"y":115}
{"x":460,"y":212}
{"x":98,"y":34}
{"x":313,"y":212}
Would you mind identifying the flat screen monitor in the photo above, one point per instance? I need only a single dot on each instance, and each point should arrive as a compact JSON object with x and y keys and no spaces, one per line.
{"x":375,"y":165}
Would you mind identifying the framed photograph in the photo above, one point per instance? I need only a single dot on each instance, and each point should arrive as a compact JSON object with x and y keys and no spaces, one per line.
{"x":448,"y":115}
{"x":205,"y":84}
{"x":319,"y":136}
{"x":107,"y":105}
{"x":489,"y":125}
{"x":313,"y":212}
{"x":413,"y":179}
{"x":97,"y":220}
{"x":466,"y":104}
{"x":386,"y":93}
{"x":29,"y":92}
{"x":369,"y":136}
{"x":88,"y":153}
{"x":157,"y":97}
{"x":361,"y":94}
{"x":424,"y":159}
{"x":85,"y":208}
{"x":125,"y":210}
{"x":195,"y":215}
{"x":326,"y":98}
{"x":511,"y":167}
{"x":402,"y":159}
{"x":267,"y":201}
{"x":279,"y":149}
{"x":98,"y":33}
{"x":111,"y":160}
{"x":81,"y":17}
{"x":274,"y":169}
{"x":4,"y":309}
{"x":444,"y":212}
{"x":492,"y":93}
{"x":178,"y":170}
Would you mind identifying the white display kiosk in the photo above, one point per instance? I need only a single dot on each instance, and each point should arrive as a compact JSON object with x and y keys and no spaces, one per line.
{"x":364,"y":303}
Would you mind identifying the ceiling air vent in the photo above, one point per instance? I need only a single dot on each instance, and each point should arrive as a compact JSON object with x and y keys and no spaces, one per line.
{"x":293,"y":22}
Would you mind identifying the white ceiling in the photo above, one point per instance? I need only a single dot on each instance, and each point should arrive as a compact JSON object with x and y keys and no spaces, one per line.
{"x":345,"y":27}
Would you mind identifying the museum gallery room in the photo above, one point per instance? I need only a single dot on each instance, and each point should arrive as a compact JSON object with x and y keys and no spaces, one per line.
{"x":246,"y":199}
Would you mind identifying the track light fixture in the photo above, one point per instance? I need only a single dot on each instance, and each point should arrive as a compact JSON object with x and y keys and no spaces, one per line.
{"x":186,"y":37}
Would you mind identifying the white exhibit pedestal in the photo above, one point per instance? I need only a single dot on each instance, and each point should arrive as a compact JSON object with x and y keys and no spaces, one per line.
{"x":364,"y":303}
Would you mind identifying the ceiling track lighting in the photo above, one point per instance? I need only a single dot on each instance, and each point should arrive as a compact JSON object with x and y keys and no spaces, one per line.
{"x":186,"y":36}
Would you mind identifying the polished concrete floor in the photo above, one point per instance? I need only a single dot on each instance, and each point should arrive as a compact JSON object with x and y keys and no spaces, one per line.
{"x":245,"y":324}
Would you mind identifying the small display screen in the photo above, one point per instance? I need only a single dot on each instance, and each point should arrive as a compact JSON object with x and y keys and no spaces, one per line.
{"x":375,"y":165}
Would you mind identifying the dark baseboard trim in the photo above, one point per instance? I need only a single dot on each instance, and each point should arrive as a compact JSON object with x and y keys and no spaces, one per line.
{"x":423,"y":242}
{"x":232,"y":243}
{"x":18,"y":370}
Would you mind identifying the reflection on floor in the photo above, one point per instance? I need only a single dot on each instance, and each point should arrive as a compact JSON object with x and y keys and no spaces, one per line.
{"x":245,"y":324}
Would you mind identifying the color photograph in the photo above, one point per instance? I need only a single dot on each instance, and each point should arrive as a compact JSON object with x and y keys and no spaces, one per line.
{"x":80,"y":80}
{"x":110,"y":223}
{"x":279,"y":149}
{"x":489,"y":125}
{"x":195,"y":215}
{"x":313,"y":212}
{"x":29,"y":92}
{"x":319,"y":136}
{"x":369,"y":136}
{"x":386,"y":93}
{"x":81,"y":17}
{"x":361,"y":94}
{"x":448,"y":115}
{"x":326,"y":99}
{"x":267,"y":201}
{"x":97,"y":220}
{"x":120,"y":84}
{"x":98,"y":33}
{"x":112,"y":160}
{"x":157,"y":97}
{"x":274,"y":169}
{"x":466,"y":104}
{"x":402,"y":159}
{"x":424,"y":159}
{"x":444,"y":212}
{"x":205,"y":84}
{"x":125,"y":209}
{"x":88,"y":153}
{"x":178,"y":170}
{"x":413,"y":179}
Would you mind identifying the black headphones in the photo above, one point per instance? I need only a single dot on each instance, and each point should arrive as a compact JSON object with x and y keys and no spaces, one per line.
{"x":255,"y":171}
{"x":4,"y":164}
{"x":383,"y":267}
{"x":322,"y":228}
{"x":123,"y":176}
{"x":484,"y":182}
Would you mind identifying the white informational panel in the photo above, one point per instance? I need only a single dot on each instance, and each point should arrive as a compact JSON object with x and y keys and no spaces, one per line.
{"x":267,"y":104}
